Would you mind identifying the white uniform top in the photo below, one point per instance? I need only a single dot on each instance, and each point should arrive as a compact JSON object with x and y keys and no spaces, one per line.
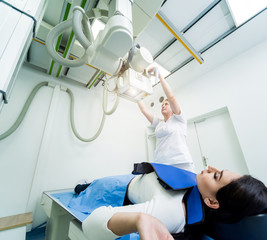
{"x":171,"y":147}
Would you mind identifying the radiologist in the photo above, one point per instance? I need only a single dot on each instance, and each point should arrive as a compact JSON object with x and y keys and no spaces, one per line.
{"x":171,"y":144}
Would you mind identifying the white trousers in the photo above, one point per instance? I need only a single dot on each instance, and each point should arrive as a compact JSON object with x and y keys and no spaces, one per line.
{"x":148,"y":197}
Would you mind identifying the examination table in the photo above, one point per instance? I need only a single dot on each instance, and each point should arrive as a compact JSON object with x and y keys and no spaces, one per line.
{"x":64,"y":222}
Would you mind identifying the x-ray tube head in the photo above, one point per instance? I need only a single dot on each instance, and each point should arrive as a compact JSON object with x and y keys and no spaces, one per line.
{"x":134,"y":85}
{"x":142,"y":58}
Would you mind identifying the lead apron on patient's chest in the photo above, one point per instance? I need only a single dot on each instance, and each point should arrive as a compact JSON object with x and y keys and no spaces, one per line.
{"x":177,"y":179}
{"x":111,"y":191}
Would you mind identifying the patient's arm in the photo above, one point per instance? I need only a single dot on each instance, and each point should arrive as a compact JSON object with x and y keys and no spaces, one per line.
{"x":147,"y":226}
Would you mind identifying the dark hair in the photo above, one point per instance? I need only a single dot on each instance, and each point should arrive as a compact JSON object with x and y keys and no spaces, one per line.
{"x":243,"y":197}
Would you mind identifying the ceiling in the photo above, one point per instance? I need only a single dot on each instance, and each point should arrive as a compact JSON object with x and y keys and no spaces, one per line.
{"x":201,"y":23}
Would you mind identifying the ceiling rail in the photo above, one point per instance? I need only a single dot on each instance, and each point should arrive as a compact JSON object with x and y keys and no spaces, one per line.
{"x":217,"y":40}
{"x":179,"y":37}
{"x":190,"y":25}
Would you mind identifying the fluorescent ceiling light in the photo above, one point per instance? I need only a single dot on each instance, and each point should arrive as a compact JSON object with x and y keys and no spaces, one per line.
{"x":242,"y":10}
{"x":97,"y":27}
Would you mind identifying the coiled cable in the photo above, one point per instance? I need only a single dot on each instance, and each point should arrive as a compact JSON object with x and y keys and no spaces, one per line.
{"x":32,"y":95}
{"x":73,"y":124}
{"x":23,"y":111}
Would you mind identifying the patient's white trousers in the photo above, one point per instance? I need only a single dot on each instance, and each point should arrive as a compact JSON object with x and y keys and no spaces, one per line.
{"x":148,"y":197}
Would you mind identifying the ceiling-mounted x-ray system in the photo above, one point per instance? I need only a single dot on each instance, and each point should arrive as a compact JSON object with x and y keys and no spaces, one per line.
{"x":104,"y":52}
{"x":110,"y":51}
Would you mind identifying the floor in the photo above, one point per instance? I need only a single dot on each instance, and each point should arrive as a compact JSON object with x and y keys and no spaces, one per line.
{"x":36,"y":234}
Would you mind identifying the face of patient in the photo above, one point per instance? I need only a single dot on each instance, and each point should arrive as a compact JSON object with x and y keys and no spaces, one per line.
{"x":210,"y":181}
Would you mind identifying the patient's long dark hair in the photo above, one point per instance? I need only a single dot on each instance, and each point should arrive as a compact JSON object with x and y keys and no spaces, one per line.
{"x":241,"y":198}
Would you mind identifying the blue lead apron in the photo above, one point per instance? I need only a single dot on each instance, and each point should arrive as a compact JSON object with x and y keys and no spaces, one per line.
{"x":177,"y":179}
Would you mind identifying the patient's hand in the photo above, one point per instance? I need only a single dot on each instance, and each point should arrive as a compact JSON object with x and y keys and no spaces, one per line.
{"x":147,"y":226}
{"x":151,"y":228}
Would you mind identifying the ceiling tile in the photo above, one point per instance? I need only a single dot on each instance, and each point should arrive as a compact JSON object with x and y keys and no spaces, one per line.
{"x":154,"y":36}
{"x":181,"y":12}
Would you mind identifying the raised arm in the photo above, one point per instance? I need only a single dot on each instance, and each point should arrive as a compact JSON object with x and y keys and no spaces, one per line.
{"x":169,"y":93}
{"x":143,"y":108}
{"x":147,"y":226}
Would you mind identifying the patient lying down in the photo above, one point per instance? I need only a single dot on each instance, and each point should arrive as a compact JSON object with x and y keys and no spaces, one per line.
{"x":165,"y":200}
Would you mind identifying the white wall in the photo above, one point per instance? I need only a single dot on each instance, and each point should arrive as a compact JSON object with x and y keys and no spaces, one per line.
{"x":18,"y":233}
{"x":239,"y":84}
{"x":43,"y":153}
